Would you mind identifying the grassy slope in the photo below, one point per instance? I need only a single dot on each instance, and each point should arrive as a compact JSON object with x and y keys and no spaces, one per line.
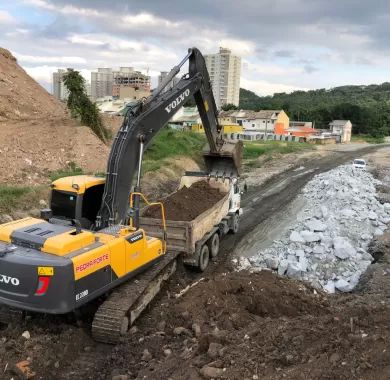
{"x":170,"y":143}
{"x":266,"y":150}
{"x":20,"y":197}
{"x":167,"y":144}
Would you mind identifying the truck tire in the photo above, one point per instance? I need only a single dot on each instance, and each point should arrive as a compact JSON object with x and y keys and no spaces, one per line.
{"x":204,"y":258}
{"x":235,"y":224}
{"x":213,"y":244}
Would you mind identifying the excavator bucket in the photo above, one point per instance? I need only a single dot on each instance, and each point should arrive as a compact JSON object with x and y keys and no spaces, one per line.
{"x":226,"y":163}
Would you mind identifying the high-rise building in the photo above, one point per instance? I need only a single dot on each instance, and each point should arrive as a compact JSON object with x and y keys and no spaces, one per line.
{"x":128,"y":83}
{"x":109,"y":82}
{"x":161,"y":78}
{"x":101,"y":83}
{"x":59,"y":89}
{"x":225,"y":71}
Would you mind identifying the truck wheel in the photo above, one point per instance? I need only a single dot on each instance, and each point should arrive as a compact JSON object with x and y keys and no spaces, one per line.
{"x":204,"y":258}
{"x":235,"y":224}
{"x":213,"y":245}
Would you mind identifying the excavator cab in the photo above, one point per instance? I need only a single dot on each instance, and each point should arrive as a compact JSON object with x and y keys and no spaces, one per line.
{"x":75,"y":198}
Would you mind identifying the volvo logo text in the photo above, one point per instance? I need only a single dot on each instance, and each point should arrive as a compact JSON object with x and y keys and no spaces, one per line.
{"x":177,"y":101}
{"x":9,"y":280}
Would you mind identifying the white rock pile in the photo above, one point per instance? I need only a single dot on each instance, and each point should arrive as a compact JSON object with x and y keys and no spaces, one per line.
{"x":327,"y":246}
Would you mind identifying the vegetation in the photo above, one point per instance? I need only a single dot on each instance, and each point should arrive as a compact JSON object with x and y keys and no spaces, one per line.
{"x":368,"y":107}
{"x":228,"y":107}
{"x":255,"y":149}
{"x":369,"y":139}
{"x":14,"y":197}
{"x":71,"y":170}
{"x":170,"y":143}
{"x":267,"y":150}
{"x":81,"y":106}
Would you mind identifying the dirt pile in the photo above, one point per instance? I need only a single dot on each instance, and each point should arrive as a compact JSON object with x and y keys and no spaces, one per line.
{"x":21,"y":98}
{"x":258,"y":326}
{"x":187,"y":203}
{"x":36,"y":134}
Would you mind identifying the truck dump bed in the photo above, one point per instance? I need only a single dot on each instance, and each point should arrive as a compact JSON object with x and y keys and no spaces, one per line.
{"x":183,"y":235}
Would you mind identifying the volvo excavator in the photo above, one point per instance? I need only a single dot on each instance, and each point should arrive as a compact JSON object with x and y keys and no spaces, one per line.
{"x":89,"y":242}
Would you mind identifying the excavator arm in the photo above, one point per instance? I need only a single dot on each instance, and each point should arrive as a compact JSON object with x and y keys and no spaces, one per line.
{"x":146,"y":118}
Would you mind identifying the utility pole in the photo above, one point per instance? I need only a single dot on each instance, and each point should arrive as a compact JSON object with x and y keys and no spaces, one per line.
{"x":266,"y":128}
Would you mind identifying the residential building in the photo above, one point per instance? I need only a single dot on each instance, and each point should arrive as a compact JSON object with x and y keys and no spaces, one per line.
{"x":122,"y":83}
{"x":270,"y":121}
{"x":128,"y":83}
{"x":128,"y":92}
{"x":307,"y":124}
{"x":342,"y":128}
{"x":161,"y":78}
{"x":225,"y":72}
{"x":186,"y":117}
{"x":101,"y":83}
{"x":59,"y":89}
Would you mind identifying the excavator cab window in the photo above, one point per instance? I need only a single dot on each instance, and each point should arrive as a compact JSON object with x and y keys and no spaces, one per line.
{"x":92,"y":200}
{"x":63,"y":204}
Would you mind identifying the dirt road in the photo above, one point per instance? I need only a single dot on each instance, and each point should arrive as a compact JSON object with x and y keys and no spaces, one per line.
{"x":235,"y":326}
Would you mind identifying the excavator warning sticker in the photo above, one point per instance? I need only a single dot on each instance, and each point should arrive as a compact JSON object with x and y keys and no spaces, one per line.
{"x":45,"y":271}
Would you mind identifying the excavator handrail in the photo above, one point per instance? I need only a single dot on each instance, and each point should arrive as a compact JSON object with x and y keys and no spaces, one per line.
{"x":151,"y":204}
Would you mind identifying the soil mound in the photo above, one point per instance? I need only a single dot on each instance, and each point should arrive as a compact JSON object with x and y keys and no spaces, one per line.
{"x":36,"y":134}
{"x":236,"y":299}
{"x":187,"y":203}
{"x":21,"y":97}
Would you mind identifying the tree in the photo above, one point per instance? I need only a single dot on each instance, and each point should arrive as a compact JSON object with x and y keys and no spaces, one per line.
{"x":81,"y":106}
{"x":228,"y":107}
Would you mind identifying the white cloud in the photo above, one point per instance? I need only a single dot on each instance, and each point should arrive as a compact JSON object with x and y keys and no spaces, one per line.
{"x":269,"y":69}
{"x":87,"y":39}
{"x":66,"y":9}
{"x":240,"y":47}
{"x":262,"y":87}
{"x":6,"y":18}
{"x":147,"y":20}
{"x":49,"y":59}
{"x":42,"y":73}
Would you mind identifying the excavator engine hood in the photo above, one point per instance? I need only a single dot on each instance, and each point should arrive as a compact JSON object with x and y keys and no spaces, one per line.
{"x":225,"y":163}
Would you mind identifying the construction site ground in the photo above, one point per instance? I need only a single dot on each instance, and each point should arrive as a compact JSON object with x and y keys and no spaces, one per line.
{"x":232,"y":325}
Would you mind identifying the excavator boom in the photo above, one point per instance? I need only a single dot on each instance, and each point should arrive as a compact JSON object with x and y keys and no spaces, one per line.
{"x":146,"y":118}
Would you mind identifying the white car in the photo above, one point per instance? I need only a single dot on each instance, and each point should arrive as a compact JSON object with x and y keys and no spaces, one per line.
{"x":359,"y":163}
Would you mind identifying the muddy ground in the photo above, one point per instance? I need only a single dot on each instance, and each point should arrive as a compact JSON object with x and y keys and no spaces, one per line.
{"x":230,"y":325}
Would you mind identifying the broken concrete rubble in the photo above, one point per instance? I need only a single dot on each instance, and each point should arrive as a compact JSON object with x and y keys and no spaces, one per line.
{"x":327,"y":246}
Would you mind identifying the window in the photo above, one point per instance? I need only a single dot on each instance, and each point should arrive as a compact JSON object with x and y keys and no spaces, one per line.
{"x":63,"y":204}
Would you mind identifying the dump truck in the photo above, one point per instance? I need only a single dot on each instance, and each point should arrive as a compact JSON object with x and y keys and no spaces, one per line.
{"x":198,"y":240}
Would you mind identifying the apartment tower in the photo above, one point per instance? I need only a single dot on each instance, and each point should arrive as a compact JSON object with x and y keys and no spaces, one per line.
{"x":225,"y":71}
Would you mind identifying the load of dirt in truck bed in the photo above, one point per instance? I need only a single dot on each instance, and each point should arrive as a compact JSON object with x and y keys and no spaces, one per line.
{"x":187,"y":203}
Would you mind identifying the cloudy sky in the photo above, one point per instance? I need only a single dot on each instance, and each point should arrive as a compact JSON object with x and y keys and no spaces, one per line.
{"x":284,"y":44}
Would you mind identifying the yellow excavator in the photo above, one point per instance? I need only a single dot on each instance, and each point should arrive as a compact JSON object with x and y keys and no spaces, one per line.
{"x":89,"y":243}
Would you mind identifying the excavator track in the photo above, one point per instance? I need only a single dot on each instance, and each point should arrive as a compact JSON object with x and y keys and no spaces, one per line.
{"x":123,"y":306}
{"x":9,"y":315}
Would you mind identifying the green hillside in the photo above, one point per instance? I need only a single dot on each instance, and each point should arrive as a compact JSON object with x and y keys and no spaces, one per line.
{"x":368,"y":107}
